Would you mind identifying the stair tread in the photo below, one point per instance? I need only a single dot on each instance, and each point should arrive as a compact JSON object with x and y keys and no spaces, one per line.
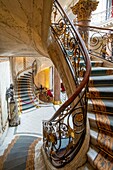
{"x":94,"y":133}
{"x":107,"y":101}
{"x":103,"y":105}
{"x":92,"y":152}
{"x":103,"y":102}
{"x":103,"y":139}
{"x":87,"y":166}
{"x":27,"y":107}
{"x":101,"y":68}
{"x":91,"y":115}
{"x":104,"y":77}
{"x":23,"y":92}
{"x":103,"y":89}
{"x":95,"y":61}
{"x":98,"y":157}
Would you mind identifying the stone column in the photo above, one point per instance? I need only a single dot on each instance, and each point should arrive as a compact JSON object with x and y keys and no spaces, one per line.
{"x":56,"y":87}
{"x":12,"y":67}
{"x":83,"y":10}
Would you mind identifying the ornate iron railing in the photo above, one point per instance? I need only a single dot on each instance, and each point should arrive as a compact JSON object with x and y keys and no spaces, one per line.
{"x":100,"y":41}
{"x":64,"y":133}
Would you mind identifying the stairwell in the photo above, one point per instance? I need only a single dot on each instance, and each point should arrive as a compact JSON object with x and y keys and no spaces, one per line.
{"x":100,"y":109}
{"x":25,"y":93}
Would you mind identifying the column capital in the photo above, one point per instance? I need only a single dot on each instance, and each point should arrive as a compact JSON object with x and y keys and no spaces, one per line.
{"x":84,"y":8}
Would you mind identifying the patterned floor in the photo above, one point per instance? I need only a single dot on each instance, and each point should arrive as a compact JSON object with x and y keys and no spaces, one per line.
{"x":20,"y":142}
{"x":20,"y":153}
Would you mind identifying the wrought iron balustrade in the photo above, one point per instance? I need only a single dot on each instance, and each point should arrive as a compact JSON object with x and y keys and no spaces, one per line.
{"x":100,"y":41}
{"x":64,"y":133}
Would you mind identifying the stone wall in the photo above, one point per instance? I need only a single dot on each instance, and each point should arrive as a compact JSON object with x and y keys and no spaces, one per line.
{"x":4,"y":84}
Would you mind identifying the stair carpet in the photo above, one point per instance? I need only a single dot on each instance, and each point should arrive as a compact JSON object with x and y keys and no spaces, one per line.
{"x":100,"y":115}
{"x":26,"y":99}
{"x":20,"y":153}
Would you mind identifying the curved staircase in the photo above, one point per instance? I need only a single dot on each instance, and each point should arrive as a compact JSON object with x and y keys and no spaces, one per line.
{"x":100,"y":115}
{"x":65,"y":135}
{"x":25,"y":93}
{"x":100,"y":109}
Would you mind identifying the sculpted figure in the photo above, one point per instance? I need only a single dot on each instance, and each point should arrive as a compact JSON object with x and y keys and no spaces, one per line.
{"x":13,"y":116}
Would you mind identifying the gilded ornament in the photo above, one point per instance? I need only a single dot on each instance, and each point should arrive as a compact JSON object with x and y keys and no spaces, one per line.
{"x":84,"y":8}
{"x":52,"y":138}
{"x":71,"y":132}
{"x":79,"y":117}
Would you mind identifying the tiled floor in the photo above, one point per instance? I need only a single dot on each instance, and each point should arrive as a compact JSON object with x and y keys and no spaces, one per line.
{"x":31,"y":123}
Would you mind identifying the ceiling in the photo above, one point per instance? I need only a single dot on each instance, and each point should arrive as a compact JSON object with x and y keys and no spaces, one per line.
{"x":24,"y":27}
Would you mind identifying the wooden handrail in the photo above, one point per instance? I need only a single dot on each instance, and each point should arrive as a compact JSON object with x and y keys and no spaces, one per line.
{"x":94,"y":27}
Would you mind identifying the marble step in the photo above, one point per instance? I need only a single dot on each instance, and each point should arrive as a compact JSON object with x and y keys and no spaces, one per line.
{"x":92,"y":120}
{"x":28,"y":110}
{"x":101,"y":71}
{"x":101,"y":92}
{"x":23,"y":83}
{"x":24,"y":78}
{"x":97,"y":63}
{"x":24,"y":92}
{"x":31,"y":101}
{"x":99,"y":159}
{"x":27,"y":74}
{"x":24,"y":99}
{"x":101,"y":105}
{"x":101,"y":120}
{"x":93,"y":63}
{"x":102,"y":140}
{"x":27,"y":107}
{"x":87,"y":166}
{"x":101,"y":81}
{"x":24,"y":88}
{"x":93,"y":136}
{"x":91,"y":154}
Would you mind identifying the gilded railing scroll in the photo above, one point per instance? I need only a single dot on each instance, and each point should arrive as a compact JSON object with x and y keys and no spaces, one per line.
{"x":64,"y":133}
{"x":100,"y":41}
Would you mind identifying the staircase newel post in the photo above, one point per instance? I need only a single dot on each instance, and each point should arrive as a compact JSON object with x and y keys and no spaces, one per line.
{"x":83,"y":10}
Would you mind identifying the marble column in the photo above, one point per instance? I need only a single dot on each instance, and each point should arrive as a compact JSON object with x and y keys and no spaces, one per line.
{"x":56,"y":87}
{"x":83,"y":10}
{"x":12,"y":68}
